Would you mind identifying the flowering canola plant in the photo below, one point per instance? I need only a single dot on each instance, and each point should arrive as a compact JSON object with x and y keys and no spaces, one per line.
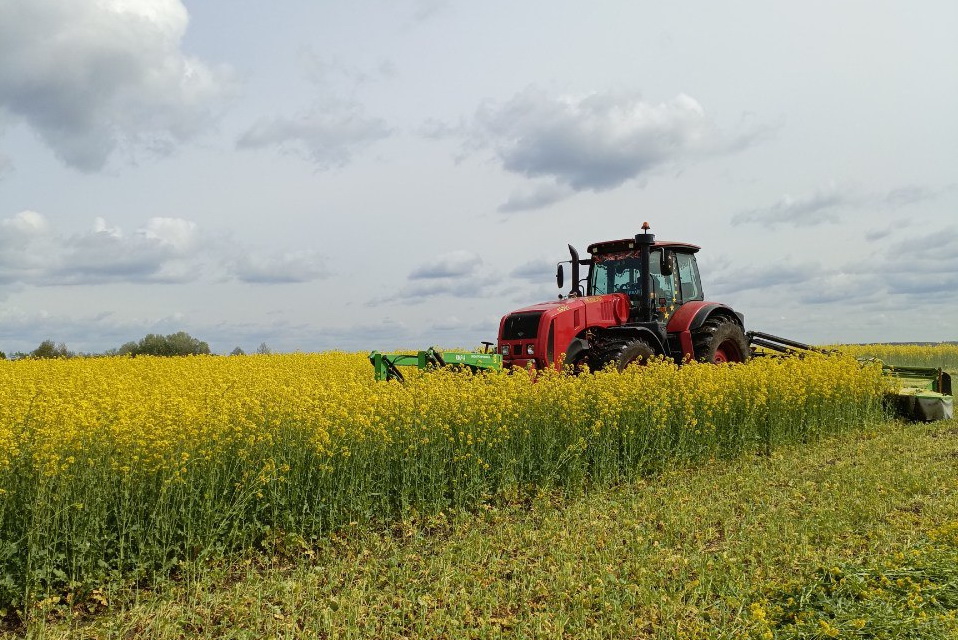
{"x":943,"y":355}
{"x":130,"y":466}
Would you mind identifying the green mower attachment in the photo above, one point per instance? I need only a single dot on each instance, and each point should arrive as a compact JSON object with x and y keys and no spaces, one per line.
{"x":924,"y":394}
{"x":386,"y":365}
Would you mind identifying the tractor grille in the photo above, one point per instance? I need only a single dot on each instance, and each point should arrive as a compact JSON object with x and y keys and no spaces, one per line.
{"x":521,"y":326}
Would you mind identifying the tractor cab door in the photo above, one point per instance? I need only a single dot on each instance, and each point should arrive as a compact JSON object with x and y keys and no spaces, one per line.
{"x":682,"y":285}
{"x":688,"y":283}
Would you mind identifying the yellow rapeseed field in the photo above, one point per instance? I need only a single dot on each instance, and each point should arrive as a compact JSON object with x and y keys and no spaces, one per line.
{"x":944,"y":356}
{"x":130,"y":466}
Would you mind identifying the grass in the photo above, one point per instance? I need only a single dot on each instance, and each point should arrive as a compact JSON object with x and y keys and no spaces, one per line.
{"x":800,"y":543}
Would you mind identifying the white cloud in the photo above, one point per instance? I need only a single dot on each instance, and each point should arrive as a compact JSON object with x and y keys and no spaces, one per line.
{"x":455,"y":264}
{"x":535,"y":271}
{"x":820,"y":207}
{"x":538,"y":197}
{"x":827,"y":203}
{"x":25,"y":223}
{"x":328,"y":136}
{"x":164,"y":250}
{"x":782,"y":276}
{"x":90,"y":77}
{"x":292,"y":266}
{"x":598,"y":141}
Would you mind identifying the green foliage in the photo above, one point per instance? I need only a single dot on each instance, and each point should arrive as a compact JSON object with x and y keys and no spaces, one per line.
{"x":920,"y":586}
{"x":237,"y":352}
{"x":48,"y":349}
{"x":708,"y":552}
{"x":175,"y":344}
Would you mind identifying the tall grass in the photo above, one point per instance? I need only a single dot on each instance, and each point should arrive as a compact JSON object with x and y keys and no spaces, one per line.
{"x":127,"y":468}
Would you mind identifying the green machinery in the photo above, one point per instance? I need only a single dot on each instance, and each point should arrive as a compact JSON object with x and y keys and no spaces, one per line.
{"x":923,"y":394}
{"x":386,"y":365}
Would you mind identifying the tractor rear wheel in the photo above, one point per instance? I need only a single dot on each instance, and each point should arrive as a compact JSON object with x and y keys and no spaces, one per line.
{"x":720,"y":339}
{"x":623,"y":353}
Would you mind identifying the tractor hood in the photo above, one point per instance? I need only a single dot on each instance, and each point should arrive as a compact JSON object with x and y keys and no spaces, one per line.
{"x":539,"y":335}
{"x":612,"y":305}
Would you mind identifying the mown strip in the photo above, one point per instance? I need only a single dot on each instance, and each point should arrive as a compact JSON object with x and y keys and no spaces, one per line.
{"x":702,"y":552}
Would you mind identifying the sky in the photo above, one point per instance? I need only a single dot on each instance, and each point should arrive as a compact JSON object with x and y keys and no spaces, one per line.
{"x":399,"y":174}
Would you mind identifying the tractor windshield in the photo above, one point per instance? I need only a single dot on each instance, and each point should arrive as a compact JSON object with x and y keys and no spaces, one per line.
{"x":620,"y":273}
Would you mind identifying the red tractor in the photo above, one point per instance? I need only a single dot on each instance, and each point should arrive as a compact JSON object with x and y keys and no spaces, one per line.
{"x":642,"y":299}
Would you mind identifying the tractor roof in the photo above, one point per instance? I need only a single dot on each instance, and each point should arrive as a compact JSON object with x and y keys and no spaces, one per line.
{"x":628,"y":244}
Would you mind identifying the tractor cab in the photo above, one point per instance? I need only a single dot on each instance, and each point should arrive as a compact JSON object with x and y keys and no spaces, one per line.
{"x":673,"y":275}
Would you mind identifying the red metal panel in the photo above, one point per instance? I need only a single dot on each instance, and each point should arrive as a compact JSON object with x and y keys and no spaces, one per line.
{"x":682,"y":319}
{"x":569,"y":318}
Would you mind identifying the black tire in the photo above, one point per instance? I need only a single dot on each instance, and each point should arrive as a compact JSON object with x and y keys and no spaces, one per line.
{"x":578,"y":364}
{"x":720,"y":339}
{"x":622,"y":353}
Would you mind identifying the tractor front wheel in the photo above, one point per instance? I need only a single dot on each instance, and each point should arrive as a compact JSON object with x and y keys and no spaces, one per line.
{"x":720,"y":339}
{"x":624,"y":353}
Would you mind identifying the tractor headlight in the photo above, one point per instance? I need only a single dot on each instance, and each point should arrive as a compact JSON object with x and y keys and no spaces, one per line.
{"x":505,"y":349}
{"x":530,"y":349}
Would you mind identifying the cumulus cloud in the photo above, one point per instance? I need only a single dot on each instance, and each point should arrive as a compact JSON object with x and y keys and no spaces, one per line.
{"x":918,"y":265}
{"x":89,"y":77}
{"x":537,"y":197}
{"x":455,"y":264}
{"x":784,"y":275}
{"x":599,"y":141}
{"x":913,"y":194}
{"x":329,"y":136}
{"x":164,"y":250}
{"x":457,"y":274}
{"x":535,"y":271}
{"x":22,"y":226}
{"x":290,"y":266}
{"x":828,"y":203}
{"x":819,"y":208}
{"x":418,"y":291}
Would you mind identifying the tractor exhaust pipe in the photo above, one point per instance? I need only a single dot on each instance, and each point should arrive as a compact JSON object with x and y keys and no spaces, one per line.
{"x":644,"y":242}
{"x":574,"y":291}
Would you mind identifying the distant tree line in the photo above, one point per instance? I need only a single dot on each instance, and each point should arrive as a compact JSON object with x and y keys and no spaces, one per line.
{"x":153,"y":344}
{"x":175,"y":344}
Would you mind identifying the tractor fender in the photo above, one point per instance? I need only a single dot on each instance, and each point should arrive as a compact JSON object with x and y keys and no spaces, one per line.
{"x":577,"y":347}
{"x":631,"y":333}
{"x":692,"y":315}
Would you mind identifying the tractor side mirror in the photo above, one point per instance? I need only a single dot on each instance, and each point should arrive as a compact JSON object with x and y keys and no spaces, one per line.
{"x":560,"y":275}
{"x":665,"y":266}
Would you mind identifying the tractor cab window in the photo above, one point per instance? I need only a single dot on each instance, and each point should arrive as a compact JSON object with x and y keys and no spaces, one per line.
{"x":690,"y":284}
{"x":622,"y":275}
